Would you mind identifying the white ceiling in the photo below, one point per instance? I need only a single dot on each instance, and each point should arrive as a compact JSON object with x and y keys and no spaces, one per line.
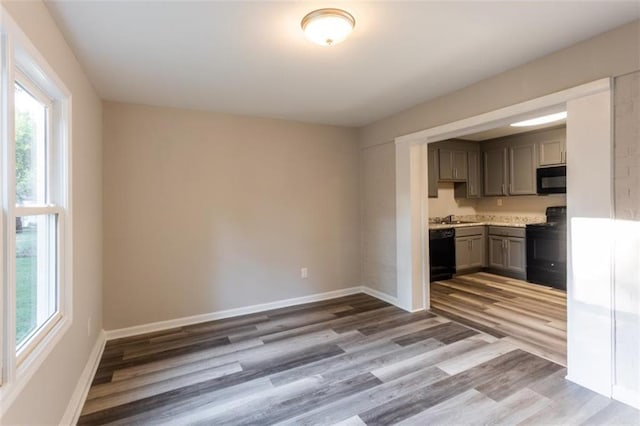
{"x":251,"y":58}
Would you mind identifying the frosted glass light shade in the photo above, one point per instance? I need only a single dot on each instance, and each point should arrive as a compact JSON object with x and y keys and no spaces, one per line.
{"x":327,"y":27}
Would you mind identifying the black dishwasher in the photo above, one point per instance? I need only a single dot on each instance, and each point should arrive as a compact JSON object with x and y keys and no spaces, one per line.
{"x":442,"y":254}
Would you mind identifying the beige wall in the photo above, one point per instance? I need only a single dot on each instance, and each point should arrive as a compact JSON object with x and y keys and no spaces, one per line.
{"x":378,"y":195}
{"x":447,"y":204}
{"x":47,"y":394}
{"x":522,"y":205}
{"x":610,"y":54}
{"x":206,"y":212}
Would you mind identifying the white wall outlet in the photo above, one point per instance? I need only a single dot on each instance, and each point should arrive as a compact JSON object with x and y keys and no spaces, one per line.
{"x":499,"y":201}
{"x":304,"y":273}
{"x":89,"y":327}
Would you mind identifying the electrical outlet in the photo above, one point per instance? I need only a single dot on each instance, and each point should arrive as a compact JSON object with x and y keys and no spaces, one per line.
{"x":499,"y":201}
{"x":89,"y":327}
{"x":304,"y":273}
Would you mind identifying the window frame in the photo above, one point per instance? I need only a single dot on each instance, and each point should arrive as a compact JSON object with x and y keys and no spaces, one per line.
{"x":48,"y":208}
{"x":19,"y":56}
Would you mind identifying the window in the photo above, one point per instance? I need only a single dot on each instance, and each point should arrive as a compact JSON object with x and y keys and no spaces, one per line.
{"x":36,"y":217}
{"x":35,"y":225}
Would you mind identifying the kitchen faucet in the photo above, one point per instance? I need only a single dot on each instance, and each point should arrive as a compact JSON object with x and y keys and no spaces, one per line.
{"x":448,"y":219}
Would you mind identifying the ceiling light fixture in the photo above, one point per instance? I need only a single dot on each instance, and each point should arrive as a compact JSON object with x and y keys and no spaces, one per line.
{"x":541,"y":120}
{"x":327,"y":27}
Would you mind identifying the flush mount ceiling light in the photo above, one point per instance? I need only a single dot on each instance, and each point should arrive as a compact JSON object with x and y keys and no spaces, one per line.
{"x":327,"y":27}
{"x":541,"y":120}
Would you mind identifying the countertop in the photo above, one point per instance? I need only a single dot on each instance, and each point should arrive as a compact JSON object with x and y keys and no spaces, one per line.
{"x":488,"y":223}
{"x":490,"y":220}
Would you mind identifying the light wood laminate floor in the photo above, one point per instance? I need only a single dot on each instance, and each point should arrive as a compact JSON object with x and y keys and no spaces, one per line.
{"x":351,"y":361}
{"x":530,"y":316}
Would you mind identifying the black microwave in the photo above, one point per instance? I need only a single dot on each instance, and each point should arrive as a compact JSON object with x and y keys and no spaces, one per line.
{"x":551,"y":180}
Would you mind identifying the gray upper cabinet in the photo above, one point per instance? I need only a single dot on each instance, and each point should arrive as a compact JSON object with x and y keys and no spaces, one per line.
{"x":522,"y":169}
{"x":474,"y":182}
{"x":433,"y":172}
{"x":495,"y":172}
{"x":510,"y":162}
{"x":552,"y":152}
{"x":453,"y":165}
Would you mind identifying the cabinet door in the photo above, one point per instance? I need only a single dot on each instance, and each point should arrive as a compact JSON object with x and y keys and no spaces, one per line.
{"x":459,"y":159}
{"x":462,"y":254}
{"x":552,"y":152}
{"x":517,"y":255}
{"x":496,"y":252}
{"x":495,"y":172}
{"x":473,"y":174}
{"x":433,"y":173}
{"x":522,"y":170}
{"x":477,"y":250}
{"x":446,"y":164}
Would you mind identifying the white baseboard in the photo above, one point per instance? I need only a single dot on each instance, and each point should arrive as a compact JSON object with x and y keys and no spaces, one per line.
{"x":72,"y":413}
{"x":628,"y":396}
{"x":380,"y":295}
{"x":180,"y":322}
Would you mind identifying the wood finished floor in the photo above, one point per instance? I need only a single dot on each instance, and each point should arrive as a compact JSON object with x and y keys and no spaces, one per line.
{"x":350,"y":361}
{"x":531,"y":316}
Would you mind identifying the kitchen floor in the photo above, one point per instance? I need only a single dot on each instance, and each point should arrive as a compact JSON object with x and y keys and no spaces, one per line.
{"x":529,"y":316}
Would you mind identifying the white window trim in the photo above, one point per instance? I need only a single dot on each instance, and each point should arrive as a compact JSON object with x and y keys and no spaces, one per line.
{"x":17,"y":51}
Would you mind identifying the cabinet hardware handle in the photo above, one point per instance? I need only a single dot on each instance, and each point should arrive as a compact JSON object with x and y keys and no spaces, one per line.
{"x":510,"y":188}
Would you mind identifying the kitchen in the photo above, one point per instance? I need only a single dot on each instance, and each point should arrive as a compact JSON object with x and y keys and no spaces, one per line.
{"x":497,"y":233}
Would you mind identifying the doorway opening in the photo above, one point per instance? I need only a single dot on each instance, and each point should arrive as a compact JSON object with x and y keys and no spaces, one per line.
{"x":497,"y":234}
{"x":589,"y":195}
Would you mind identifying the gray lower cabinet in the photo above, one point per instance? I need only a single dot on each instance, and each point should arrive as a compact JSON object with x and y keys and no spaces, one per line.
{"x":497,"y":258}
{"x":453,"y":165}
{"x":470,"y":248}
{"x":508,"y":251}
{"x":433,"y":173}
{"x":517,"y":255}
{"x":522,"y":169}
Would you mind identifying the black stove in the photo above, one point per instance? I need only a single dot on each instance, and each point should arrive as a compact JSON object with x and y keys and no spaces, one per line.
{"x":547,"y":249}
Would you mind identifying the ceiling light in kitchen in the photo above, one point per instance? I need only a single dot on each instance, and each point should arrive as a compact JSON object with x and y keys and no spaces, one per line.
{"x":327,"y":27}
{"x":541,"y":120}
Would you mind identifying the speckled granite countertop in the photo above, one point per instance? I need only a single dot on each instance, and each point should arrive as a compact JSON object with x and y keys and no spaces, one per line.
{"x":488,"y":220}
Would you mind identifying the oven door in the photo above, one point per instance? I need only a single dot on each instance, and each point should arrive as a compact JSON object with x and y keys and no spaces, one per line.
{"x":551,"y":180}
{"x":547,"y":256}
